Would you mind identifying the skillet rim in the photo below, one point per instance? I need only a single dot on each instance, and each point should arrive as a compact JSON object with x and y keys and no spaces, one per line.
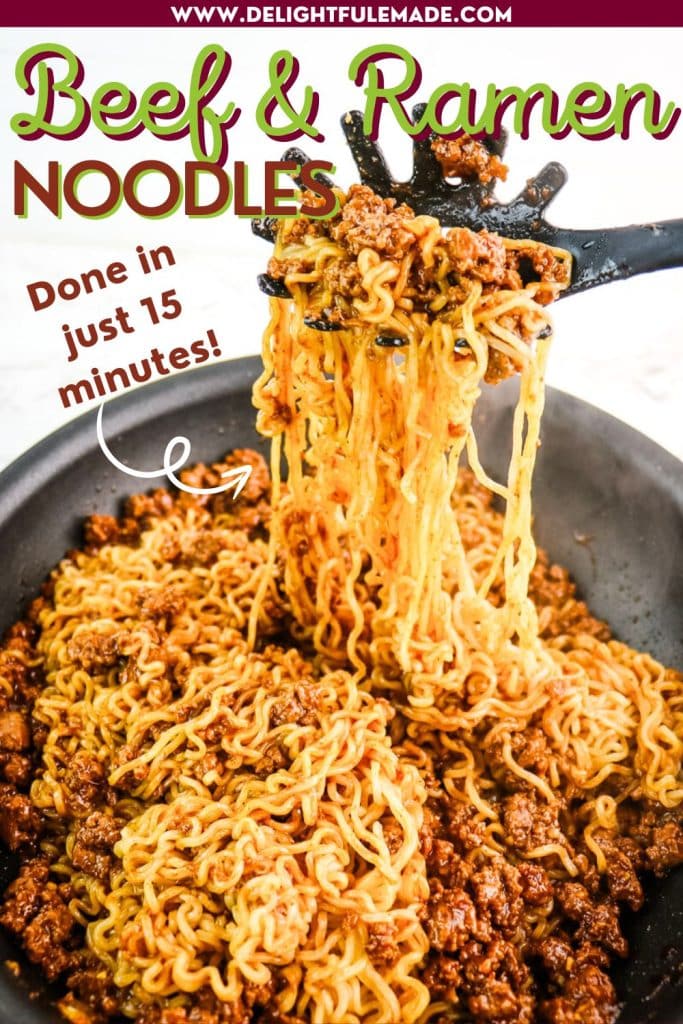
{"x":49,"y":456}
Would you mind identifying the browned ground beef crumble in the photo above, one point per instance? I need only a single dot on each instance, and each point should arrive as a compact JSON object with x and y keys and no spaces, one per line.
{"x":468,"y":158}
{"x":483,"y":955}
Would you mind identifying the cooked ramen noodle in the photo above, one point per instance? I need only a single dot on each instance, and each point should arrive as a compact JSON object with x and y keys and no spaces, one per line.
{"x":348,"y":749}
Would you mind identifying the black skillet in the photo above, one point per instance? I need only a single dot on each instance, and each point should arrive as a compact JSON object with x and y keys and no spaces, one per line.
{"x":608,"y":504}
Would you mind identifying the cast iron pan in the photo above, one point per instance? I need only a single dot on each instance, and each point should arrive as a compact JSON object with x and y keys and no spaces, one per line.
{"x":608,"y":504}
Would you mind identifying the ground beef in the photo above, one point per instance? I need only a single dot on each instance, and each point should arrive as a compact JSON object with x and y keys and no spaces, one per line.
{"x":468,"y":158}
{"x":530,"y":822}
{"x":550,"y":586}
{"x":144,"y":507}
{"x":251,"y":508}
{"x":203,"y":548}
{"x":537,"y":888}
{"x":430,"y":830}
{"x":463,"y":826}
{"x":286,"y":711}
{"x":299,"y":706}
{"x":497,"y":889}
{"x":443,"y":977}
{"x":258,"y":995}
{"x":499,"y":367}
{"x":23,"y":895}
{"x":20,"y":822}
{"x":207,"y":1009}
{"x":295,"y":230}
{"x":224,"y":1013}
{"x":547,"y":267}
{"x":45,"y":937}
{"x":480,"y":255}
{"x":591,"y":953}
{"x":16,"y":769}
{"x":451,"y":918}
{"x":446,"y":864}
{"x":343,"y":279}
{"x":94,"y":842}
{"x":665,"y":849}
{"x":554,"y":952}
{"x":597,"y":921}
{"x":393,"y":834}
{"x":94,"y":651}
{"x":22,"y":635}
{"x":483,"y":256}
{"x":498,"y":1001}
{"x":86,"y":784}
{"x":100,"y":530}
{"x":481,"y":912}
{"x":368,"y":221}
{"x":165,"y":603}
{"x":36,"y":914}
{"x":92,"y":990}
{"x":20,"y":681}
{"x":15,"y":734}
{"x":274,"y":757}
{"x":257,"y":488}
{"x":588,"y":998}
{"x":381,"y":946}
{"x":529,"y":749}
{"x":279,"y":268}
{"x":495,"y":982}
{"x":623,"y":858}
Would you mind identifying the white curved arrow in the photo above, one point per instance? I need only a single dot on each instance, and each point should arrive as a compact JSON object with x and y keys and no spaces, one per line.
{"x":236,"y":477}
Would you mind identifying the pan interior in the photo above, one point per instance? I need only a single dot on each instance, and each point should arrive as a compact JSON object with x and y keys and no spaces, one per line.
{"x":608,"y":504}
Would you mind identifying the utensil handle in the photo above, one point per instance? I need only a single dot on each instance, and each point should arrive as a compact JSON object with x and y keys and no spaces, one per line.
{"x":618,"y":253}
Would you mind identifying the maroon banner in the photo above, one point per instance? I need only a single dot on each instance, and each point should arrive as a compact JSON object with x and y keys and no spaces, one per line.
{"x":377,"y":14}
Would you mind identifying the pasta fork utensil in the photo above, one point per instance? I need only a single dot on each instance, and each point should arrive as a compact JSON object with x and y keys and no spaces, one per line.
{"x":599,"y":256}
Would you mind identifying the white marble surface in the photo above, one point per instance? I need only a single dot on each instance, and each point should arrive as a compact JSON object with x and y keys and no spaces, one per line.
{"x":619,"y":347}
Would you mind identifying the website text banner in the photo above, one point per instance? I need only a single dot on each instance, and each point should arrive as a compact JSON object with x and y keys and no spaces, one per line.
{"x":377,"y":13}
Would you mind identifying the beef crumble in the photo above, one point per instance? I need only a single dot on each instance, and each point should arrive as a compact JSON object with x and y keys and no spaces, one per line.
{"x":35,"y":913}
{"x":93,"y":651}
{"x":20,"y":822}
{"x":468,"y":158}
{"x":15,"y":734}
{"x":85,"y":782}
{"x":94,"y":842}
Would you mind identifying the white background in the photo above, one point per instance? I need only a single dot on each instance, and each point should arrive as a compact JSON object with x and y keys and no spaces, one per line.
{"x":620,"y":347}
